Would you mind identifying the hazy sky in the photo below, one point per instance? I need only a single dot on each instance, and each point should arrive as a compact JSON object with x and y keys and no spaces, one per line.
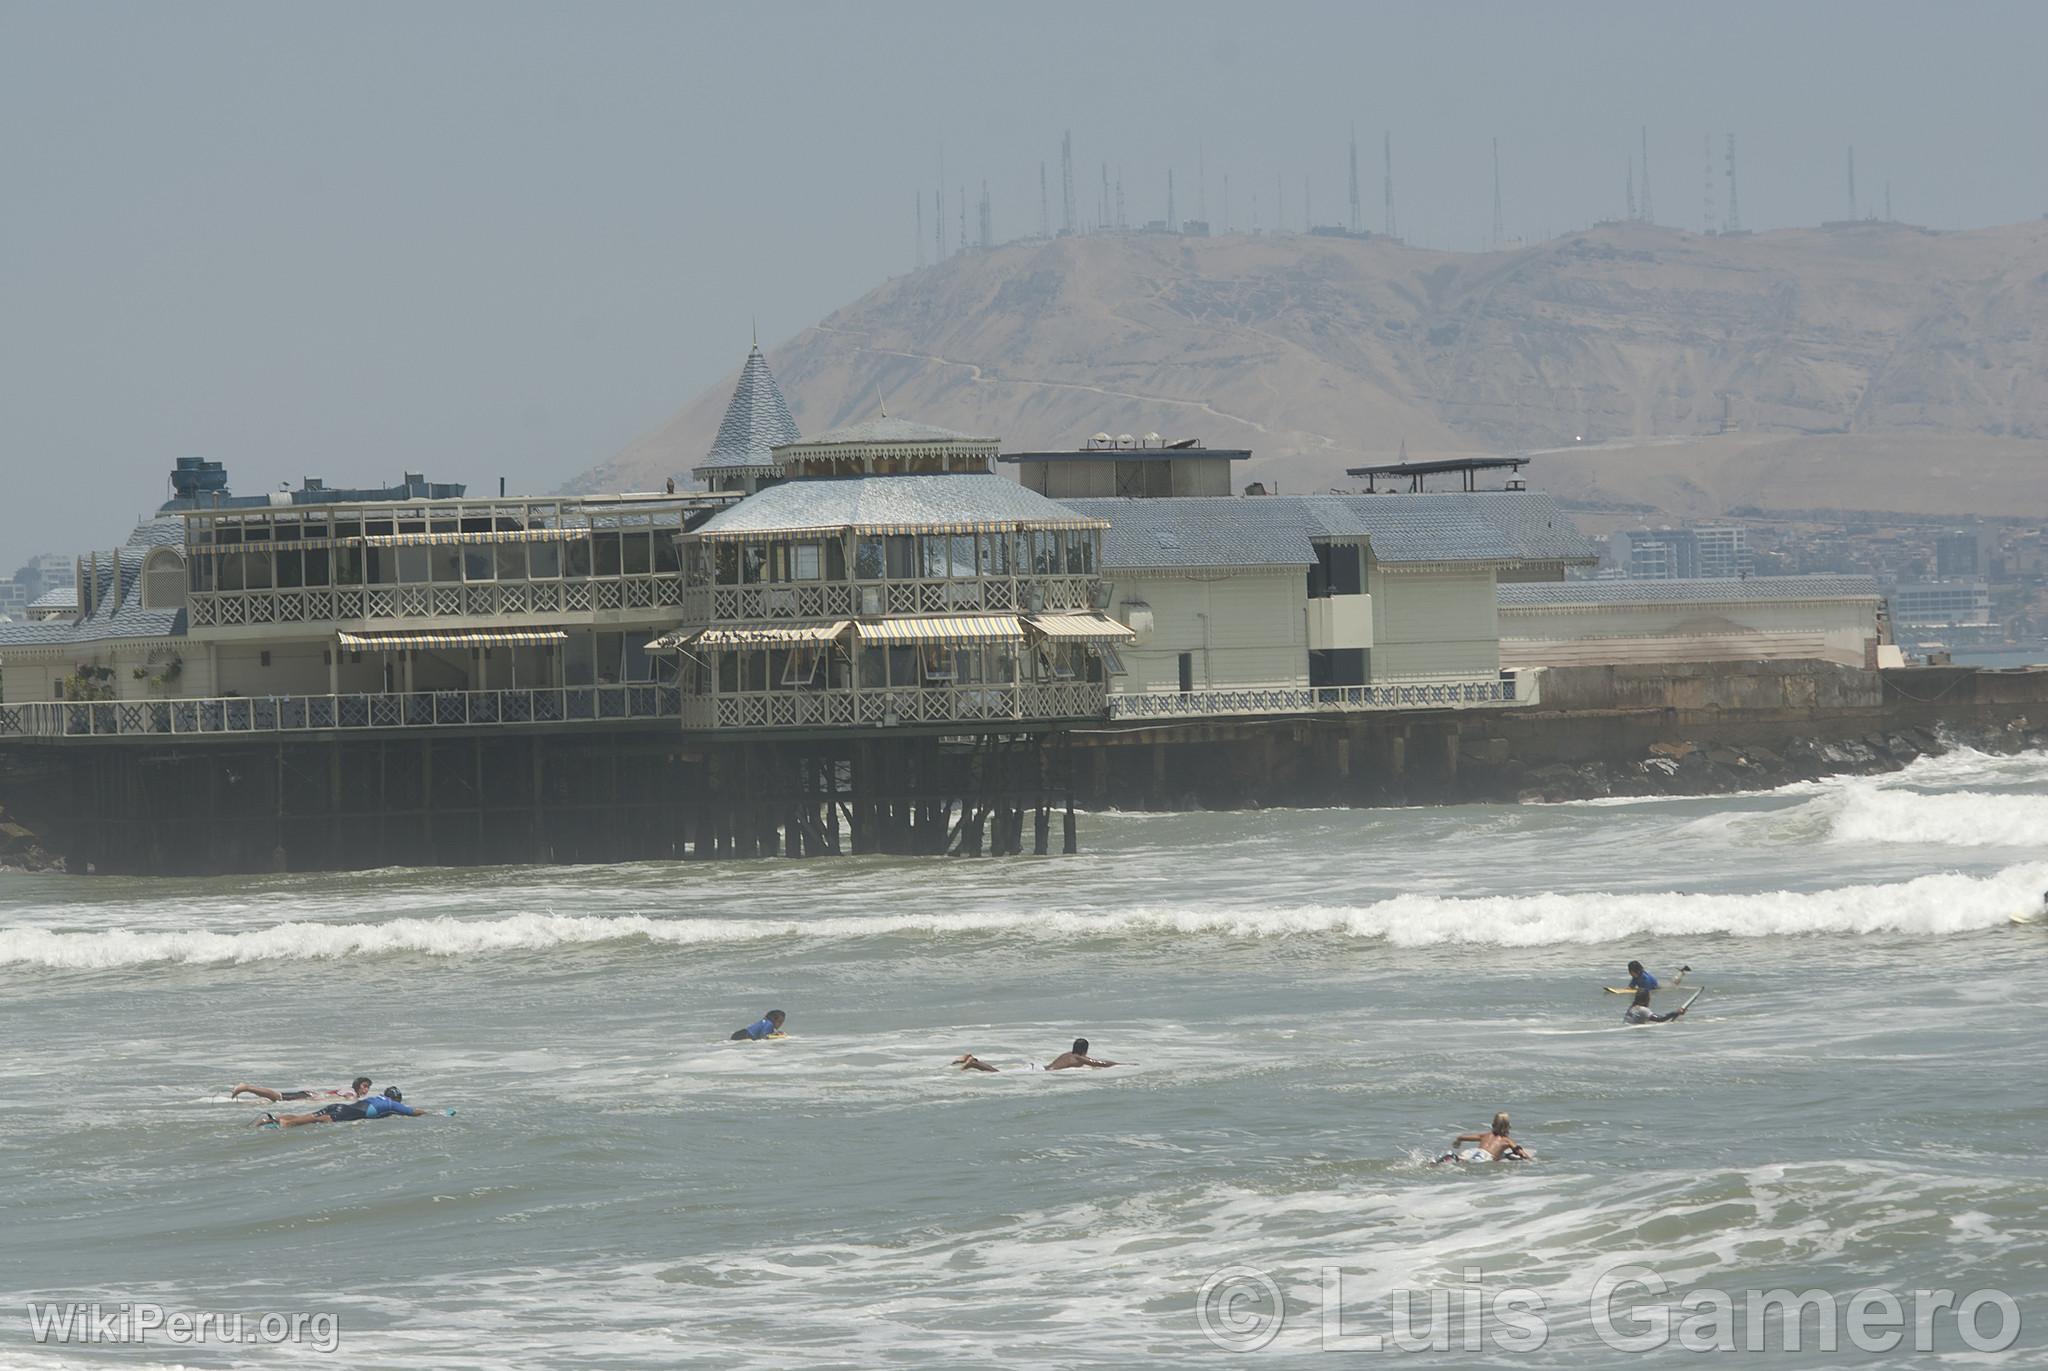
{"x":505,"y":239}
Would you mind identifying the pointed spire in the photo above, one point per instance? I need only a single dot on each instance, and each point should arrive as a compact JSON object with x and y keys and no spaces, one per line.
{"x":757,"y":420}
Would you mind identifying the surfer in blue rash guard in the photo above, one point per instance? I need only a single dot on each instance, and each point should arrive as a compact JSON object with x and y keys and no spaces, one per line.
{"x":1639,"y":979}
{"x":387,"y":1105}
{"x":769,"y":1025}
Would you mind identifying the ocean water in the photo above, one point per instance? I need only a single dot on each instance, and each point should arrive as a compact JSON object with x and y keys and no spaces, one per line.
{"x":1310,"y":1005}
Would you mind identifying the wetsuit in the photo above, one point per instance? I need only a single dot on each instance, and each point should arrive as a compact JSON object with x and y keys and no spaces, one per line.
{"x":1640,"y":1014}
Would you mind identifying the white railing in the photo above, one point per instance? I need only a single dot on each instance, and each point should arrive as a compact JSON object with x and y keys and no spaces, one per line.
{"x":842,"y":599}
{"x":508,"y":599}
{"x":545,"y":705}
{"x":1511,"y":689}
{"x":889,"y":708}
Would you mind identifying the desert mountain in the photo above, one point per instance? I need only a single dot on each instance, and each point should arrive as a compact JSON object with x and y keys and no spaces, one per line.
{"x":1866,"y":366}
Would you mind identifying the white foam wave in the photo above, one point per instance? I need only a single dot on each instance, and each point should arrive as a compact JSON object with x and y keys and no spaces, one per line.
{"x":1960,"y":818}
{"x":1929,"y":906}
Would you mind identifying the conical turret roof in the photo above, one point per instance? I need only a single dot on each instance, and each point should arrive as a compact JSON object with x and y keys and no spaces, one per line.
{"x":757,"y":421}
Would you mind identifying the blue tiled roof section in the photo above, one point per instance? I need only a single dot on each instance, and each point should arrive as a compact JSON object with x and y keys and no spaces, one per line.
{"x":1281,"y":530}
{"x":117,"y":596}
{"x":846,"y":502}
{"x":62,"y":597}
{"x":757,"y":421}
{"x":1718,"y":590}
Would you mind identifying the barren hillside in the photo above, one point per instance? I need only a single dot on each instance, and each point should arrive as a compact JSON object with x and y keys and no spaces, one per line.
{"x":1874,"y":366}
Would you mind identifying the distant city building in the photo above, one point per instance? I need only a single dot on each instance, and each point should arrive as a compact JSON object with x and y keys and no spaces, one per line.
{"x":1944,"y":604}
{"x":1963,"y":553}
{"x":14,"y":599}
{"x":1682,"y":554}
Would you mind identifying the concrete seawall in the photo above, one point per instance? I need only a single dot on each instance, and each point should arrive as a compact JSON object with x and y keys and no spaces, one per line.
{"x":1697,"y":728}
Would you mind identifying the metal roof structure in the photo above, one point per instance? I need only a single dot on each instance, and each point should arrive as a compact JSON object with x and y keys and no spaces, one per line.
{"x":1130,"y":454}
{"x":1467,"y":467}
{"x":1717,"y":590}
{"x":930,"y":503}
{"x":884,"y":429}
{"x":1281,"y":530}
{"x":757,"y":421}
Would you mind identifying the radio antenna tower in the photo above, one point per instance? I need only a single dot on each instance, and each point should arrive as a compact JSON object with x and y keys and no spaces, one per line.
{"x":1734,"y":221}
{"x":1707,"y":147}
{"x":1500,"y":228}
{"x":1067,"y":182}
{"x":1356,"y":218}
{"x":1649,"y":214}
{"x":1387,"y":188}
{"x":1628,"y":186}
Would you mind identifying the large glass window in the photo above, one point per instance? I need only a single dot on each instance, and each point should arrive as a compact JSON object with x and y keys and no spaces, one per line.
{"x":605,"y":553}
{"x":576,"y":560}
{"x":804,"y":562}
{"x":477,"y":562}
{"x":231,"y":571}
{"x":415,"y":568}
{"x":256,"y":569}
{"x":637,"y":553}
{"x":960,"y":562}
{"x":753,"y":563}
{"x":994,"y":552}
{"x":291,"y":567}
{"x":1080,"y":552}
{"x":835,"y":560}
{"x":447,"y":562}
{"x":511,"y":560}
{"x":380,"y":566}
{"x":902,"y":557}
{"x":728,"y":563}
{"x":667,"y":558}
{"x":544,"y":561}
{"x":316,"y":566}
{"x":868,"y":562}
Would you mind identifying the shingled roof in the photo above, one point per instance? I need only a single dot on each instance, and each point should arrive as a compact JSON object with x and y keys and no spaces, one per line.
{"x":757,"y":421}
{"x":1709,"y":590}
{"x":1281,"y":530}
{"x":117,"y":597}
{"x":937,"y":503}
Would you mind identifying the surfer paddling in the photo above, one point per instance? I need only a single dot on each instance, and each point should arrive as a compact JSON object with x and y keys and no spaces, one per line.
{"x":357,"y":1089}
{"x":1491,"y":1146}
{"x":967,"y":1061}
{"x":769,"y":1025}
{"x":1076,"y":1056}
{"x":390,"y":1104}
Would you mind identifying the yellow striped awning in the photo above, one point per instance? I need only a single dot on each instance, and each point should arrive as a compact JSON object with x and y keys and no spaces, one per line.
{"x":1082,"y":628}
{"x":480,"y":637}
{"x":750,"y":635}
{"x":949,"y":628}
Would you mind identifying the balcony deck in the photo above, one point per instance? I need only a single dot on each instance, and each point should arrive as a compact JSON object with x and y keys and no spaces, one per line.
{"x":536,"y":707}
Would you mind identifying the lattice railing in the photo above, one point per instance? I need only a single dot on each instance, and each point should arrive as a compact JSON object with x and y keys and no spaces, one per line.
{"x":303,"y":713}
{"x":1510,"y":689}
{"x":233,"y":608}
{"x":888,"y":708}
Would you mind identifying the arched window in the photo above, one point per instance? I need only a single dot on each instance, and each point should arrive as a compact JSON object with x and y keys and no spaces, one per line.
{"x":163,"y":579}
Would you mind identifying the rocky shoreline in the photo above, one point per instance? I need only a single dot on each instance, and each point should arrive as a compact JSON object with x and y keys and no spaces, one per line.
{"x":1685,"y":767}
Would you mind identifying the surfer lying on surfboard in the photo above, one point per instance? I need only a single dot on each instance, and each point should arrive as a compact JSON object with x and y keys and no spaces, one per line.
{"x":1491,"y":1146}
{"x":357,"y":1089}
{"x":387,"y":1105}
{"x":1639,"y":1012}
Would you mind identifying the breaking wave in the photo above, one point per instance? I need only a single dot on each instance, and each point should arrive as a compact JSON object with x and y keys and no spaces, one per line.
{"x":1933,"y":905}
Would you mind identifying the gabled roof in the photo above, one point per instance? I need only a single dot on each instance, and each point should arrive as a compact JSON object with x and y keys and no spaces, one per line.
{"x":1281,"y":530}
{"x":926,"y":503}
{"x":1712,"y":590}
{"x":757,"y":421}
{"x":884,"y":429}
{"x":117,"y":595}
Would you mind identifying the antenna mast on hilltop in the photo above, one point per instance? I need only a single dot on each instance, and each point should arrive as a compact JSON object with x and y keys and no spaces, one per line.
{"x":1649,"y":215}
{"x":1067,"y":182}
{"x":1500,"y":227}
{"x":1707,"y":147}
{"x":1388,"y":186}
{"x":1628,"y":186}
{"x":1356,"y":217}
{"x":1734,"y":224}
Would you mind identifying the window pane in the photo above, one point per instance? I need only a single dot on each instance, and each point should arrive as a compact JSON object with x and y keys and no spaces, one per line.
{"x":804,"y":561}
{"x":728,"y":555}
{"x":316,"y":566}
{"x":835,"y":560}
{"x":381,"y":565}
{"x":290,"y":567}
{"x":256,"y":569}
{"x":667,"y":560}
{"x":544,"y":561}
{"x":605,"y":552}
{"x":413,"y":566}
{"x":447,"y":562}
{"x":477,"y":562}
{"x":753,"y":563}
{"x":231,"y":571}
{"x":638,"y":553}
{"x":576,"y":559}
{"x":511,"y":559}
{"x":868,"y":562}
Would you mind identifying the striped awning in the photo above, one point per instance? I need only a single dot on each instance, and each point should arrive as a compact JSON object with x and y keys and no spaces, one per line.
{"x":950,"y":628}
{"x":480,"y":637}
{"x":1082,"y":628}
{"x":750,"y":635}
